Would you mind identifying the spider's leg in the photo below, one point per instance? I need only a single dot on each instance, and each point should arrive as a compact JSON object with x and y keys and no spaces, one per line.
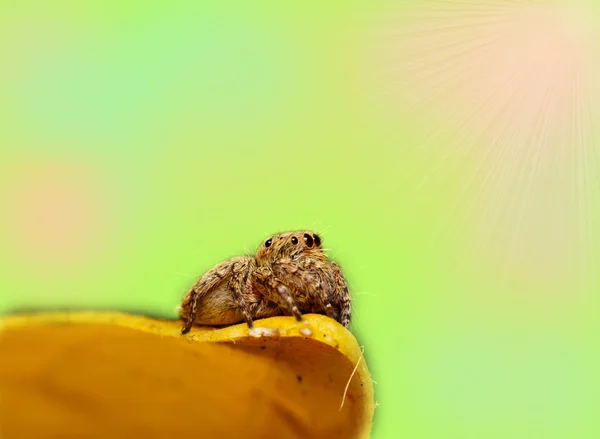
{"x":341,"y":287}
{"x":241,"y":283}
{"x":210,"y":280}
{"x":284,"y":295}
{"x":320,"y":289}
{"x":330,"y":311}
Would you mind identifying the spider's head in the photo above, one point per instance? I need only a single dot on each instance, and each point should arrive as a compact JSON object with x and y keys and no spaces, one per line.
{"x":290,"y":244}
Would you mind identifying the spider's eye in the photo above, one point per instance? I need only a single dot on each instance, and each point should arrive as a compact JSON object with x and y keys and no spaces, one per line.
{"x":294,"y":240}
{"x":308,"y":240}
{"x":317,"y":240}
{"x":268,"y":242}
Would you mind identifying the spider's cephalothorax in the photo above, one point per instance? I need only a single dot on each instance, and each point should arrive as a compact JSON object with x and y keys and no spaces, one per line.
{"x":290,"y":274}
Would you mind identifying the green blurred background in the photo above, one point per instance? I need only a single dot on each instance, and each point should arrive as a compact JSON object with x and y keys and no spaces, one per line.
{"x":143,"y":143}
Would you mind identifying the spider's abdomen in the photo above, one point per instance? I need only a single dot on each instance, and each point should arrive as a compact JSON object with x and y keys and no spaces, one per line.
{"x":215,"y":308}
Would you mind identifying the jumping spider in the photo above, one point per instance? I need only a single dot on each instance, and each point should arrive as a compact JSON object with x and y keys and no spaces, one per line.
{"x":290,"y":274}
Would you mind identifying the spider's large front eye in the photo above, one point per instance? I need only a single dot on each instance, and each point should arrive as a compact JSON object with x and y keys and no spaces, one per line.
{"x":268,"y":242}
{"x":308,"y":240}
{"x":294,"y":240}
{"x":317,"y":240}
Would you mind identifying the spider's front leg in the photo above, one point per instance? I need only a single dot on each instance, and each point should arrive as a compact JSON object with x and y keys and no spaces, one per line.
{"x":341,"y":290}
{"x":308,"y":275}
{"x":283,"y":294}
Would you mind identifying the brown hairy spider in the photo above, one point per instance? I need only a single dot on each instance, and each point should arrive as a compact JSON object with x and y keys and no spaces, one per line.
{"x":290,"y":274}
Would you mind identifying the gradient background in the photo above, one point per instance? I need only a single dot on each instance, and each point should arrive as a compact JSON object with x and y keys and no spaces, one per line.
{"x":446,"y":150}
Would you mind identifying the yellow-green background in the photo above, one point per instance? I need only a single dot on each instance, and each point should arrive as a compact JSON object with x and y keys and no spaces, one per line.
{"x":186,"y":132}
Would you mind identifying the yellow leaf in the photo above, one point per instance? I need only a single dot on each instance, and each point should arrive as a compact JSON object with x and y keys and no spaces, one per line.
{"x":113,"y":375}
